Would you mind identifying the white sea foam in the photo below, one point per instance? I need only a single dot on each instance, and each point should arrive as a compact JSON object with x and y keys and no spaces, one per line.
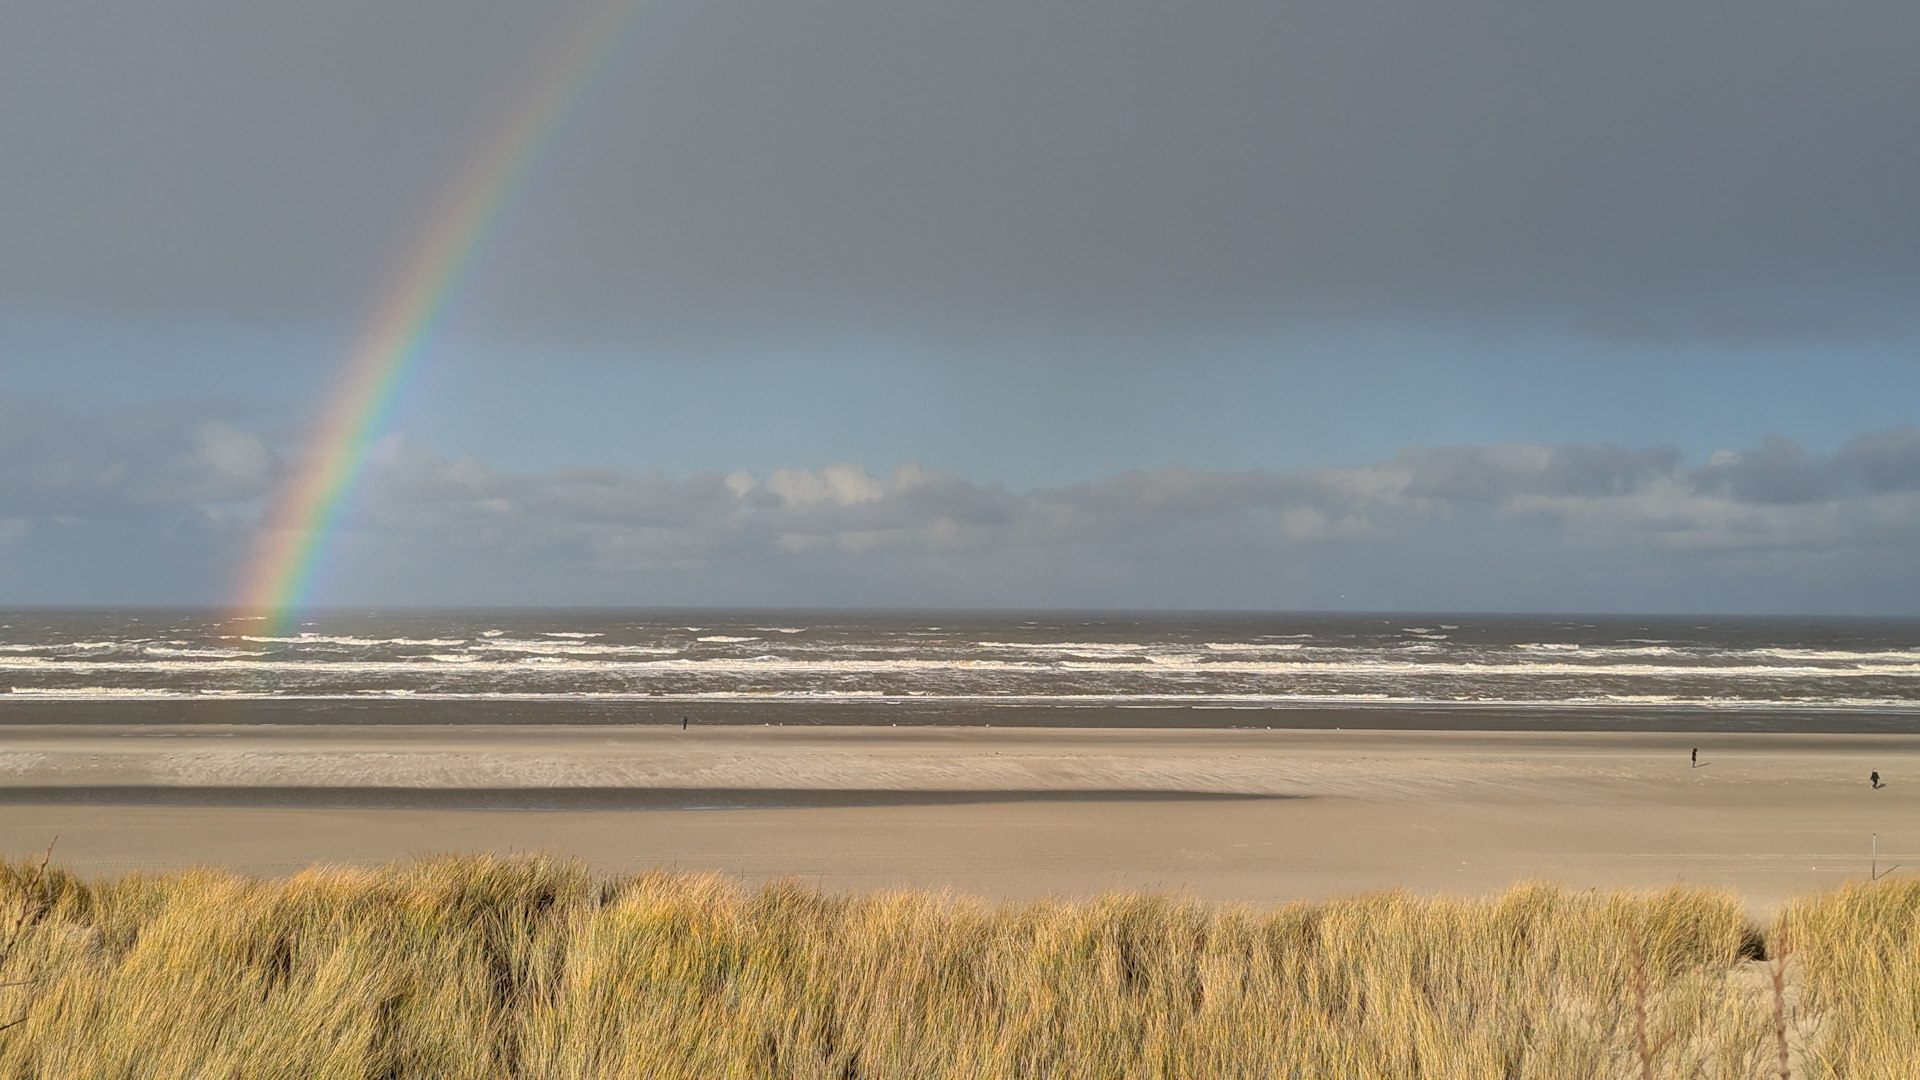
{"x":569,"y":648}
{"x":762,"y":663}
{"x":1898,"y":656}
{"x":91,"y":692}
{"x":1067,"y":646}
{"x":1250,"y":646}
{"x":1644,"y":650}
{"x":575,"y":634}
{"x":1625,"y":699}
{"x":332,"y":639}
{"x":723,"y":639}
{"x":1548,"y":646}
{"x":1145,"y":700}
{"x":216,"y":654}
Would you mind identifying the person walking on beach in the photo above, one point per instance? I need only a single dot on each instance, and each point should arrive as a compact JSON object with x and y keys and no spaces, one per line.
{"x":1874,"y":779}
{"x":1696,"y":757}
{"x":683,"y":723}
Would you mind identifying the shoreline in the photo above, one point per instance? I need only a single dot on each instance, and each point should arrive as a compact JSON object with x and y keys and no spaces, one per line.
{"x":18,"y":711}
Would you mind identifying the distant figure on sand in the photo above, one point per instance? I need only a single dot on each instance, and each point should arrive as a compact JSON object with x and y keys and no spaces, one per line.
{"x":683,"y":723}
{"x":1874,"y":779}
{"x":1696,"y":755}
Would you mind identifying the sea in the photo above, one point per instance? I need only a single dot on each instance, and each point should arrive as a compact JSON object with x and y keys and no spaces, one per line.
{"x":1065,"y":669}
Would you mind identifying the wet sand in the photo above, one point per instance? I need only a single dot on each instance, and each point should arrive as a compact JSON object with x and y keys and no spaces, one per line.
{"x":1252,"y":815}
{"x":372,"y":710}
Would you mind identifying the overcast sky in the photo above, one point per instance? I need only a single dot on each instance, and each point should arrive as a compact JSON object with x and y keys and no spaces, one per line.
{"x":1221,"y":303}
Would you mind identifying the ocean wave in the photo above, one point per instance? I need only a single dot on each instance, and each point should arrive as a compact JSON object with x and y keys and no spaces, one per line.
{"x":1878,"y":656}
{"x":96,"y":692}
{"x":215,"y":654}
{"x":569,"y":648}
{"x":77,"y":646}
{"x":334,"y":639}
{"x":1630,"y":699}
{"x":1084,"y":648}
{"x":765,"y":663}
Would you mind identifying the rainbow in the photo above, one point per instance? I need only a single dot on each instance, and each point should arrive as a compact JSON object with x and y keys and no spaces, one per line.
{"x":305,"y":516}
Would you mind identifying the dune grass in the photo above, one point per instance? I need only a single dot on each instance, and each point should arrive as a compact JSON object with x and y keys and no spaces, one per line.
{"x":483,"y":967}
{"x":1858,"y":950}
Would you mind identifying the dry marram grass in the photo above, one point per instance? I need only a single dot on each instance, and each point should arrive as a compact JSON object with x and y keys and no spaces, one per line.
{"x":1858,"y":950}
{"x":481,"y":967}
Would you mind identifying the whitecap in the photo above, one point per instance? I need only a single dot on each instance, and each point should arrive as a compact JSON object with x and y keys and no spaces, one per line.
{"x":1066,"y":646}
{"x":336,"y":639}
{"x":216,"y":654}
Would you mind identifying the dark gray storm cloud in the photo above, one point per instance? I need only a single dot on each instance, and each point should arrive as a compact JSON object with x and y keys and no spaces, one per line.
{"x":1736,"y":168}
{"x":1886,"y":462}
{"x":162,"y":507}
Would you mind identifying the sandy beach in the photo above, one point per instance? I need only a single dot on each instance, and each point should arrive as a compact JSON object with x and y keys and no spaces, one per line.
{"x":1260,"y":816}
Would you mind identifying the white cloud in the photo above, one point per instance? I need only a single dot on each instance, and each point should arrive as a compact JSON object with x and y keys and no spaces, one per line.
{"x":841,"y":485}
{"x":238,"y":456}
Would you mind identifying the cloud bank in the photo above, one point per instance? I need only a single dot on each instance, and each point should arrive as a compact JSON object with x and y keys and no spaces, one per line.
{"x":1726,"y":167}
{"x":155,"y":508}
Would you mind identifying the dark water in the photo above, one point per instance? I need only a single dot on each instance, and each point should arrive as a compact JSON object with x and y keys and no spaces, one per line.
{"x":952,"y":662}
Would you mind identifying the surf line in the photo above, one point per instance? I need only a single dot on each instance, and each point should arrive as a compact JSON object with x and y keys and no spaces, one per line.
{"x":304,"y":517}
